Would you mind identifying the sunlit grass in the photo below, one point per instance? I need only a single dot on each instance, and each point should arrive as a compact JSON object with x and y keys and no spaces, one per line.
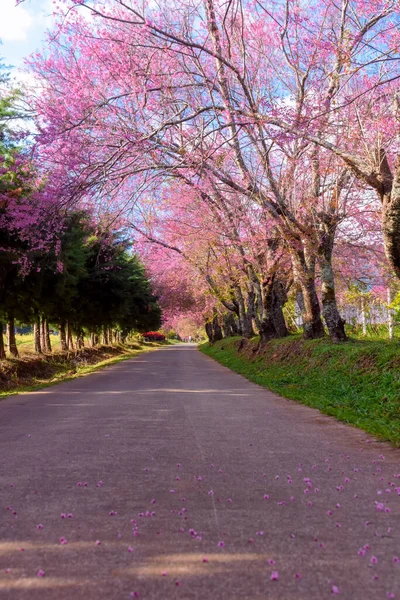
{"x":357,"y":382}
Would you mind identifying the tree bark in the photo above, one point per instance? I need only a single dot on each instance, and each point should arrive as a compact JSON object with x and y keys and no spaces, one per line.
{"x":217,"y":329}
{"x":213,"y":329}
{"x":363,"y":316}
{"x":63,"y":336}
{"x":70,"y":341}
{"x":209,"y":331}
{"x":47,"y":340}
{"x":304,"y":274}
{"x":105,"y":336}
{"x":390,"y":314}
{"x":272,"y":322}
{"x":36,"y":335}
{"x":245,"y":317}
{"x":229,"y":325}
{"x":42,"y":335}
{"x":2,"y":348}
{"x":80,"y":339}
{"x":11,"y":341}
{"x":330,"y":311}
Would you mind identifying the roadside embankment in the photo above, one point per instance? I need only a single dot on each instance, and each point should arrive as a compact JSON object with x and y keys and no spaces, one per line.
{"x":357,"y":382}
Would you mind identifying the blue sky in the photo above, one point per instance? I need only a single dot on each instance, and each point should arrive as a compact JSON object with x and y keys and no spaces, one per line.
{"x":22,"y":29}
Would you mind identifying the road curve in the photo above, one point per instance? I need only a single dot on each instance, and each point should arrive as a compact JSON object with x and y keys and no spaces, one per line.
{"x":168,"y":476}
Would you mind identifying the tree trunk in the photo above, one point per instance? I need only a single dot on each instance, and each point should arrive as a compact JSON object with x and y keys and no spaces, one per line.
{"x":2,"y":348}
{"x":105,"y":335}
{"x":304,"y":274}
{"x":245,"y":318}
{"x":69,"y":337}
{"x":333,"y":320}
{"x":42,"y":335}
{"x":213,"y":330}
{"x":217,"y":329}
{"x":209,"y":331}
{"x":92,"y":339}
{"x":391,"y":221}
{"x":363,"y":316}
{"x":96,"y":339}
{"x":272,"y":323}
{"x":11,"y":341}
{"x":80,"y":339}
{"x":229,"y":325}
{"x":47,"y":342}
{"x":63,"y":336}
{"x":390,"y":314}
{"x":36,"y":335}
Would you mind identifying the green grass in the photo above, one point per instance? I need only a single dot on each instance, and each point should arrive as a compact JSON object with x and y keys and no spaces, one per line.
{"x":65,"y":367}
{"x":26,"y":345}
{"x":357,"y":382}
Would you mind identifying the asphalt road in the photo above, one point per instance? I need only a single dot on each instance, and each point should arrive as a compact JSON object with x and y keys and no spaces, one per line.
{"x":168,"y":476}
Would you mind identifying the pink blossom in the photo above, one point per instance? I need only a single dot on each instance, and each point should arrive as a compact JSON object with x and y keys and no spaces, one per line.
{"x":274,"y":576}
{"x":335,"y":589}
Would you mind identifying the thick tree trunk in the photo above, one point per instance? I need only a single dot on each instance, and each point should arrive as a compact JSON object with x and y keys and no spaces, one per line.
{"x":36,"y":335}
{"x":105,"y":336}
{"x":330,"y":311}
{"x":63,"y":336}
{"x":209,"y":331}
{"x":245,"y":317}
{"x":272,"y":323}
{"x":217,"y":329}
{"x":213,"y":330}
{"x":11,"y":341}
{"x":229,"y":325}
{"x":2,"y":348}
{"x":391,"y":221}
{"x":92,"y":339}
{"x":304,"y":274}
{"x":278,"y":300}
{"x":312,"y":323}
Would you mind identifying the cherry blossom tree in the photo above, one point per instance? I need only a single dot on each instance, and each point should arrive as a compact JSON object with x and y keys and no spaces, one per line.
{"x":278,"y":108}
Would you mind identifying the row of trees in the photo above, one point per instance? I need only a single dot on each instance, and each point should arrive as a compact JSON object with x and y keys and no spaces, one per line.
{"x":254,"y":150}
{"x":92,"y":285}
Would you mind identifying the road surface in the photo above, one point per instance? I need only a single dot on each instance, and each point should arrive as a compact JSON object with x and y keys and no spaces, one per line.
{"x":169,"y":477}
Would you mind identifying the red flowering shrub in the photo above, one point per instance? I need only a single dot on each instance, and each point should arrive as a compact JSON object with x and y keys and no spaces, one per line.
{"x":154,"y":336}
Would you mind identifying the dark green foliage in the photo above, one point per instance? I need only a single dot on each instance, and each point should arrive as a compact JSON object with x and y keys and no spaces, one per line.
{"x":91,"y":281}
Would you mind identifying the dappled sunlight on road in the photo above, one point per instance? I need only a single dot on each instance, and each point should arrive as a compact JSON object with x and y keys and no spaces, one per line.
{"x":177,"y":565}
{"x":40,"y":582}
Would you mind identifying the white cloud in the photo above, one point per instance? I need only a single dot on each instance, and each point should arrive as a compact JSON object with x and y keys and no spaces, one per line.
{"x":15,"y":22}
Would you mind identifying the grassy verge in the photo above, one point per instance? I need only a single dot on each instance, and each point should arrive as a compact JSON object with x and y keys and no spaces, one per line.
{"x":31,"y":373}
{"x":357,"y":382}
